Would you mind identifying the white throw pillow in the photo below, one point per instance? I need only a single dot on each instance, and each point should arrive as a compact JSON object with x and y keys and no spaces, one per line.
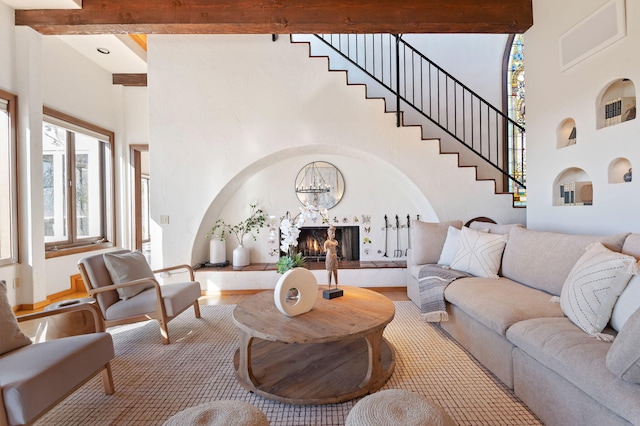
{"x":11,"y":337}
{"x":126,"y":267}
{"x":479,"y":253}
{"x":450,"y":247}
{"x":627,"y":304}
{"x":593,"y":286}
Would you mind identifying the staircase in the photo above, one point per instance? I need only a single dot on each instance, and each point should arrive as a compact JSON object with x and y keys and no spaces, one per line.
{"x":422,"y":94}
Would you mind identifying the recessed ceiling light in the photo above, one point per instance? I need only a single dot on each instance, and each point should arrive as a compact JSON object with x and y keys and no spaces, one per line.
{"x":103,"y":50}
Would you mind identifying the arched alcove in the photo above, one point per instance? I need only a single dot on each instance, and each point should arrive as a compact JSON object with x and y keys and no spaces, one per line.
{"x":573,"y":187}
{"x":616,"y":103}
{"x":566,"y":133}
{"x":620,"y":171}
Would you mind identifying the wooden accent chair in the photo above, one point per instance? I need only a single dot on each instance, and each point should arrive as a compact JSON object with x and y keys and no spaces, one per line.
{"x":127,"y":291}
{"x":34,"y":378}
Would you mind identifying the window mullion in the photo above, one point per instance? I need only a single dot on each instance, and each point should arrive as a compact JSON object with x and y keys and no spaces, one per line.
{"x":71,"y":173}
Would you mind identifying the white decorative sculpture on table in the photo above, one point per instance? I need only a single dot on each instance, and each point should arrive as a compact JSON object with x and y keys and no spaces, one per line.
{"x":302,"y":280}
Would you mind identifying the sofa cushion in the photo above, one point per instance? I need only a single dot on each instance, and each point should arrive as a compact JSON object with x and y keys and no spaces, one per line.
{"x":627,"y":304}
{"x":493,"y":228}
{"x":479,"y":253}
{"x":561,"y":346}
{"x":498,"y":304}
{"x":11,"y":337}
{"x":28,"y":374}
{"x":428,"y":238}
{"x":450,"y":247}
{"x":126,"y":267}
{"x":623,"y":359}
{"x":543,"y":260}
{"x":593,"y":286}
{"x":632,"y":245}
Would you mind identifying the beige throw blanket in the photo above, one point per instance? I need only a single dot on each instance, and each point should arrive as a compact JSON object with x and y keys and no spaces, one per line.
{"x":432,"y":281}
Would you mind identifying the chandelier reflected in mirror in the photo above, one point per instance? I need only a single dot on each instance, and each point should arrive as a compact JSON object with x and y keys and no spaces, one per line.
{"x":319,"y":184}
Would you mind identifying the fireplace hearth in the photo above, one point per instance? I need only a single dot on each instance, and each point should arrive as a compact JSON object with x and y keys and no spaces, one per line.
{"x":311,"y":242}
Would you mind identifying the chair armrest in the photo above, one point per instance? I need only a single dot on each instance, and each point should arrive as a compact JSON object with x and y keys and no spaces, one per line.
{"x":91,"y":307}
{"x":177,"y":267}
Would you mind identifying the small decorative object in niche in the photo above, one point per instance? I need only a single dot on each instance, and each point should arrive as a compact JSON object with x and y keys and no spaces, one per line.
{"x":572,"y":137}
{"x":320,"y":184}
{"x":627,"y":176}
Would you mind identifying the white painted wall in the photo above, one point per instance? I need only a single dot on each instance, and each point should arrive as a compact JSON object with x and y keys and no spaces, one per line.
{"x":236,"y":106}
{"x":553,"y":96}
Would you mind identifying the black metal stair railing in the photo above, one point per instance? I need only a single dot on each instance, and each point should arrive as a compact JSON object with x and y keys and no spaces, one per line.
{"x":418,"y":82}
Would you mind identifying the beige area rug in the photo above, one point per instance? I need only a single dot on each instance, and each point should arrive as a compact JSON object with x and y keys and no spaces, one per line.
{"x":154,"y":381}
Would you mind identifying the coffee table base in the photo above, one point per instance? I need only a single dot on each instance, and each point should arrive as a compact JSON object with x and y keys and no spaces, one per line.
{"x":316,"y":373}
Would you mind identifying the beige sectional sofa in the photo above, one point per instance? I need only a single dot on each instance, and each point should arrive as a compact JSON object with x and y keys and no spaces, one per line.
{"x":514,"y":328}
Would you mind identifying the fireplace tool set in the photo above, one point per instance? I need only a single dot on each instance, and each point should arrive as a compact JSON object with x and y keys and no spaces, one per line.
{"x":398,"y":252}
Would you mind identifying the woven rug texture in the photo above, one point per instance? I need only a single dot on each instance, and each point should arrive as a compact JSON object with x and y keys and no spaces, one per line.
{"x":155,"y":381}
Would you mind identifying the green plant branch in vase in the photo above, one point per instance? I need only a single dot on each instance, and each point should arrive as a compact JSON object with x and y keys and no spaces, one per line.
{"x":249,"y":226}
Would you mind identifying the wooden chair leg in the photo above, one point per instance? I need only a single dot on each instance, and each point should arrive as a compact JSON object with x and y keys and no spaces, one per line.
{"x":196,"y":309}
{"x":107,"y":380}
{"x":164,"y":331}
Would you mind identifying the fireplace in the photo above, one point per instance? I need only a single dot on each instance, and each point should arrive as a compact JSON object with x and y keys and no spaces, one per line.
{"x":311,"y":242}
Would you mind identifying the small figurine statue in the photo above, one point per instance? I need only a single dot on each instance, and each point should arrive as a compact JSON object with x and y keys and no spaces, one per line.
{"x":628,"y":176}
{"x":331,"y":262}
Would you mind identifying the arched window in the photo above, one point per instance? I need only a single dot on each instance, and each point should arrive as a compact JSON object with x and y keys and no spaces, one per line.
{"x":515,"y":105}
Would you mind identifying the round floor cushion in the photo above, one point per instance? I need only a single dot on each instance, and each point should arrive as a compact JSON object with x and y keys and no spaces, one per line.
{"x":227,"y":413}
{"x":397,"y":407}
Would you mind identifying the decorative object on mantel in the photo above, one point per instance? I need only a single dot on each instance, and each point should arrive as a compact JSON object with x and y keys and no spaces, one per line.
{"x":331,"y":263}
{"x":217,"y":247}
{"x":255,"y":221}
{"x":628,"y":176}
{"x":320,"y":184}
{"x":302,"y":283}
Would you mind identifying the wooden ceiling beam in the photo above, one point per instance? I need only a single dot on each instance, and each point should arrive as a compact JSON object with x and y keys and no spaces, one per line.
{"x":283,"y":17}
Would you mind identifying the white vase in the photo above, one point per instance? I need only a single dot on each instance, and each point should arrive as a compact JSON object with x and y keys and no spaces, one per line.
{"x":217,"y":251}
{"x":241,"y":256}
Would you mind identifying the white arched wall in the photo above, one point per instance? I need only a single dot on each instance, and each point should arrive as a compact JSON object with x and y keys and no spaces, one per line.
{"x":270,"y":183}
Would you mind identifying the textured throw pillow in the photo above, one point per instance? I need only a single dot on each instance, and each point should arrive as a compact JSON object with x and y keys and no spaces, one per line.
{"x":11,"y":337}
{"x":593,"y":286}
{"x":627,"y":304}
{"x":450,"y":246}
{"x":125,"y":267}
{"x":427,"y":240}
{"x":623,"y":358}
{"x":479,"y":253}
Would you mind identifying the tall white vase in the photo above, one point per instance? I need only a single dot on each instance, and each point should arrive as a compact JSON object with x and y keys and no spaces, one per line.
{"x":241,"y":256}
{"x":217,"y":251}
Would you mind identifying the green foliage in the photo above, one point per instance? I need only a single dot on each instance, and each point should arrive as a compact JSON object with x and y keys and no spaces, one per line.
{"x":289,"y":262}
{"x":253,"y":223}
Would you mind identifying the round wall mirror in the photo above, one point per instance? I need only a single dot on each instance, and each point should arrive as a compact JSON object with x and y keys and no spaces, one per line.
{"x":320,"y":184}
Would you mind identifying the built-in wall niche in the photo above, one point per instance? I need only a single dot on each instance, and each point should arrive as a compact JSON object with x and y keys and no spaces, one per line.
{"x":620,"y":171}
{"x":566,"y":133}
{"x":616,"y":104}
{"x":573,"y":187}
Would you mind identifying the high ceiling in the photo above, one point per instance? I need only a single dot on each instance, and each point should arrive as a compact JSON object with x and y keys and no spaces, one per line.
{"x":87,"y":25}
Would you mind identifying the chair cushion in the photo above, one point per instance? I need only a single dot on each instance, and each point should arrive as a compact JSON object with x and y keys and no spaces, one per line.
{"x":479,"y":253}
{"x":176,"y":296}
{"x":11,"y":337}
{"x":623,"y":359}
{"x":126,"y":267}
{"x":593,"y":286}
{"x":36,"y":376}
{"x":427,"y":240}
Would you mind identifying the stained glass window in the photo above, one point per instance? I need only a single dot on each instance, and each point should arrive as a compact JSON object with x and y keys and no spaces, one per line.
{"x":516,"y":111}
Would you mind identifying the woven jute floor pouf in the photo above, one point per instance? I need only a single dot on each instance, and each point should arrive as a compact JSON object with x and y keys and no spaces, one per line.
{"x":397,"y":407}
{"x":220,"y":413}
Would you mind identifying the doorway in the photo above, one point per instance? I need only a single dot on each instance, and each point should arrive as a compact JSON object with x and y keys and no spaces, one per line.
{"x":139,"y":155}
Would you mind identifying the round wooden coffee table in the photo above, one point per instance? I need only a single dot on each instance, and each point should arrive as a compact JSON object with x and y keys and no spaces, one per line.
{"x":334,"y":353}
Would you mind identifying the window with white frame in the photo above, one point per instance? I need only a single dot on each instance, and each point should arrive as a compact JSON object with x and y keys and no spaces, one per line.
{"x":8,"y":187}
{"x":77,"y":161}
